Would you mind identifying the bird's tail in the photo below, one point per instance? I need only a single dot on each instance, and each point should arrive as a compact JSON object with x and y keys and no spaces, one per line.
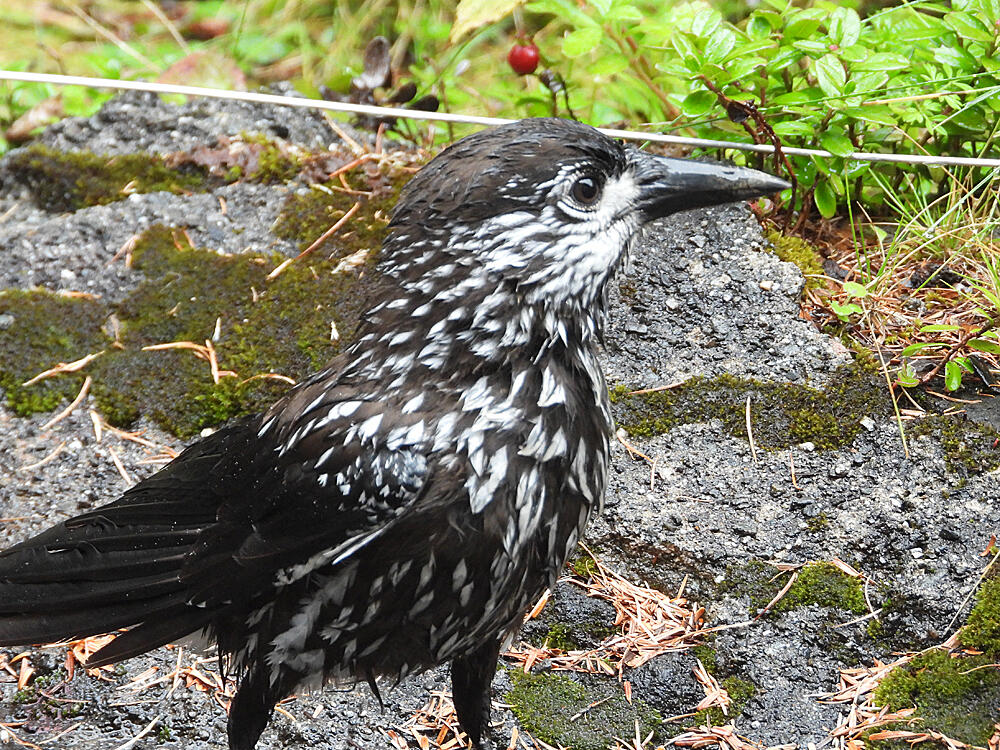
{"x":119,"y":566}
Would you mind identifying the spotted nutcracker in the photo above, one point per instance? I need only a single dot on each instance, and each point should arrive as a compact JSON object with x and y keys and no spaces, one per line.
{"x":405,"y":506}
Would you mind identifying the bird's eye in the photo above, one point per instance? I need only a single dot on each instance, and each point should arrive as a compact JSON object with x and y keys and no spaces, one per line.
{"x":586,"y":191}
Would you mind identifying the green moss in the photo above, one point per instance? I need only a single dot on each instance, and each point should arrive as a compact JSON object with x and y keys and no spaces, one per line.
{"x":305,"y":216}
{"x":280,"y":326}
{"x":782,"y":414}
{"x":982,"y":629}
{"x":952,"y":695}
{"x":560,"y":636}
{"x":68,"y":181}
{"x":707,"y":656}
{"x":275,"y":162}
{"x":546,"y":704}
{"x":583,"y":566}
{"x":969,"y":447}
{"x":821,"y":584}
{"x":824,"y":585}
{"x":818,"y":523}
{"x":39,"y":330}
{"x":802,"y":254}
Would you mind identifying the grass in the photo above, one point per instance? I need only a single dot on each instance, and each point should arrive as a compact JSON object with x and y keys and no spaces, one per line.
{"x":923,"y":287}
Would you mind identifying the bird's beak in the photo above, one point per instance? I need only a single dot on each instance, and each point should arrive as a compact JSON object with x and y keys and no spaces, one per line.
{"x":669,"y":185}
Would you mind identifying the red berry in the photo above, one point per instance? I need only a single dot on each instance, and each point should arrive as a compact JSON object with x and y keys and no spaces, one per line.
{"x":523,"y":58}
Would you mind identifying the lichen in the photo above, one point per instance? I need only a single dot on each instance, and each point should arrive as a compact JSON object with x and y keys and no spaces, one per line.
{"x":799,"y":252}
{"x":957,"y":695}
{"x":782,"y":414}
{"x":564,"y":712}
{"x":982,"y":629}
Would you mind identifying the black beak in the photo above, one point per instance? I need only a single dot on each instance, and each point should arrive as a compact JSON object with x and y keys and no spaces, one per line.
{"x":669,"y":185}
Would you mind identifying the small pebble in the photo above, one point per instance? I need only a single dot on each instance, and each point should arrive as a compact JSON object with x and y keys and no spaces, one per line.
{"x":767,"y":285}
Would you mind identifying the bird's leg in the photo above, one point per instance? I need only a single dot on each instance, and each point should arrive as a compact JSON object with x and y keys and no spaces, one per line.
{"x":249,"y":711}
{"x":471,"y":680}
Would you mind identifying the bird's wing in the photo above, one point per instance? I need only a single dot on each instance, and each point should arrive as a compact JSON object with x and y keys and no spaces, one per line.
{"x":325,"y":485}
{"x":232,"y":517}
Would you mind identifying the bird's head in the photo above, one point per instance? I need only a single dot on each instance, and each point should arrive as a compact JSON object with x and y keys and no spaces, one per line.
{"x":542,"y":211}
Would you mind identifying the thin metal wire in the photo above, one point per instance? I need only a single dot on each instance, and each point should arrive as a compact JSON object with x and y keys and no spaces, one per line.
{"x":366,"y":109}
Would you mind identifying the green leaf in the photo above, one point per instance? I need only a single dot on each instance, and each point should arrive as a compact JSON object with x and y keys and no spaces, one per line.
{"x":625,"y":13}
{"x":955,"y":57}
{"x":803,"y":23}
{"x":837,"y":144}
{"x":844,"y":312}
{"x":471,"y":14}
{"x":601,"y":6}
{"x":794,"y":127}
{"x":811,"y":47}
{"x":706,"y":22}
{"x":581,"y":41}
{"x":968,"y":27}
{"x":907,"y":376}
{"x":741,"y":67}
{"x":720,"y":44}
{"x":854,"y":289}
{"x":565,"y":9}
{"x":939,"y":328}
{"x":682,"y":42}
{"x":608,"y":65}
{"x":952,"y":376}
{"x":825,"y":199}
{"x":845,"y":26}
{"x":884,"y":61}
{"x":869,"y":82}
{"x":914,"y":348}
{"x":982,"y":345}
{"x":698,"y":103}
{"x":830,"y":75}
{"x":758,"y":27}
{"x":880,"y":114}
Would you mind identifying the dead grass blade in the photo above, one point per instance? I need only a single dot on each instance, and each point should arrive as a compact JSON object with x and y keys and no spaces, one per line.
{"x":84,"y":389}
{"x":63,"y":367}
{"x":323,"y":237}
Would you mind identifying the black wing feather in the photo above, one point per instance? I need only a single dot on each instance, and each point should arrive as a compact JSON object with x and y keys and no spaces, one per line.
{"x":206,"y":534}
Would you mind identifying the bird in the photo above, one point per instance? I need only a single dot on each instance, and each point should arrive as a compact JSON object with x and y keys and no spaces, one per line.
{"x":406,"y":505}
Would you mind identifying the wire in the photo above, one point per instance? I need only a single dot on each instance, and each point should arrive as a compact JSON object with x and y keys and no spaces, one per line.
{"x":366,"y":109}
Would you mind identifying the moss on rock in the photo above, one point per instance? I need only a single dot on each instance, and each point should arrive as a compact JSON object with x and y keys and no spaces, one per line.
{"x":68,"y":181}
{"x":982,"y":629}
{"x":799,"y":252}
{"x":281,"y":326}
{"x":306,"y":215}
{"x":957,"y":695}
{"x":820,"y":584}
{"x":969,"y":447}
{"x":782,"y":414}
{"x":824,"y":585}
{"x":564,"y":712}
{"x":38,"y":330}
